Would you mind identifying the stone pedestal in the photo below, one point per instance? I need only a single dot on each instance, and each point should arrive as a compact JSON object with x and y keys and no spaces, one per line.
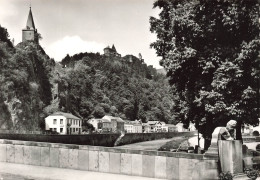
{"x":213,"y":149}
{"x":231,"y":156}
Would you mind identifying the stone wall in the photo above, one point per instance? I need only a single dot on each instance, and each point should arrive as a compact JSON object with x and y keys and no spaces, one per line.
{"x":93,"y":139}
{"x":153,"y":164}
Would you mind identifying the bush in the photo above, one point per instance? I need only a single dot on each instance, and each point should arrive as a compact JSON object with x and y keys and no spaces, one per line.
{"x":258,"y":147}
{"x":255,"y":133}
{"x":252,"y":173}
{"x":226,"y":176}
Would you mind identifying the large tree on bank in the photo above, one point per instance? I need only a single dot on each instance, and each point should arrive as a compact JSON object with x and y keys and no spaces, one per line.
{"x":209,"y":50}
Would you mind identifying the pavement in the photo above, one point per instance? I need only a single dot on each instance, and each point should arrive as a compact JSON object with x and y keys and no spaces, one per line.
{"x":11,"y":171}
{"x":147,"y":145}
{"x":155,"y":144}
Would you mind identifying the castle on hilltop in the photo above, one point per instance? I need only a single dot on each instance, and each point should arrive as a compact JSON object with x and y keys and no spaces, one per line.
{"x":29,"y":33}
{"x":111,"y":52}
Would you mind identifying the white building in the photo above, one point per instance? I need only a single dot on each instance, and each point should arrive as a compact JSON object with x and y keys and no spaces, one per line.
{"x":180,"y":127}
{"x":96,"y":123}
{"x":156,"y":126}
{"x":133,"y":126}
{"x":137,"y":128}
{"x":169,"y":128}
{"x":63,"y":123}
{"x":128,"y":127}
{"x":192,"y":127}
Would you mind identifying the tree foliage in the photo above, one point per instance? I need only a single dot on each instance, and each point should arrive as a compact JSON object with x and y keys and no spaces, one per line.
{"x":113,"y":86}
{"x":25,"y":88}
{"x":86,"y":84}
{"x":209,"y":50}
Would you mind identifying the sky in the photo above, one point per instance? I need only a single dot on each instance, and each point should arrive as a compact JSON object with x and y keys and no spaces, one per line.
{"x":74,"y":26}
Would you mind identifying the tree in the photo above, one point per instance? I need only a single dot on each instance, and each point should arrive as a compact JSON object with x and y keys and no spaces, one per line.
{"x":4,"y":37}
{"x":209,"y":50}
{"x":99,"y":112}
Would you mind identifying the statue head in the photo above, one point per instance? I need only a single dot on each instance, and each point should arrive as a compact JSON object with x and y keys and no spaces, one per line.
{"x":231,"y":124}
{"x":231,"y":127}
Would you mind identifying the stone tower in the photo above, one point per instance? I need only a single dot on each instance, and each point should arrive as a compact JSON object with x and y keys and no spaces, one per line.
{"x":30,"y":32}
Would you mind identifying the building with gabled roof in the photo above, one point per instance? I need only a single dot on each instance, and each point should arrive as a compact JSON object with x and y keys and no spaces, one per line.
{"x":96,"y":123}
{"x":156,"y":126}
{"x":117,"y":124}
{"x":169,"y":128}
{"x":29,"y":33}
{"x":63,"y":123}
{"x":101,"y":125}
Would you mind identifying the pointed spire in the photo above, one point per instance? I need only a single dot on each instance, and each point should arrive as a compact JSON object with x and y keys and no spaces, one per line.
{"x":113,"y":48}
{"x":30,"y":22}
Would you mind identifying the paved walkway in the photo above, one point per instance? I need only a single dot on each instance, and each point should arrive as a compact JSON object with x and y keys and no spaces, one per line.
{"x":10,"y":171}
{"x":149,"y":145}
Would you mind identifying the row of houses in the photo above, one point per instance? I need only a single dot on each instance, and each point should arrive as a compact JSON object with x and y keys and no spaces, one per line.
{"x":66,"y":123}
{"x":116,"y":124}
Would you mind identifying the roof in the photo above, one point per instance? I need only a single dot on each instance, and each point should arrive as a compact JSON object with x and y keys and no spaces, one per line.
{"x":67,"y":115}
{"x":107,"y":47}
{"x":109,"y":118}
{"x":179,"y":124}
{"x":94,"y":120}
{"x":113,"y":48}
{"x":153,"y":122}
{"x":105,"y":121}
{"x":127,"y":122}
{"x":132,"y":122}
{"x":170,"y":125}
{"x":146,"y":124}
{"x":99,"y":120}
{"x":30,"y":22}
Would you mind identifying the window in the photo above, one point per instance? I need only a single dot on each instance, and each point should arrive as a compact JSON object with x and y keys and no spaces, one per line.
{"x":50,"y":129}
{"x":73,"y":129}
{"x":55,"y":129}
{"x":61,"y":130}
{"x":76,"y":129}
{"x":61,"y":121}
{"x":79,"y":122}
{"x":54,"y":121}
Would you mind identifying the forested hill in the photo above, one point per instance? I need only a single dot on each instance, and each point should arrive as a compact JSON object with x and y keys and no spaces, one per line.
{"x":25,"y":87}
{"x":86,"y":84}
{"x":92,"y":85}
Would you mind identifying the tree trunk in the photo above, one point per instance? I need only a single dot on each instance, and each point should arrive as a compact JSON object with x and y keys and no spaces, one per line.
{"x":238,"y":131}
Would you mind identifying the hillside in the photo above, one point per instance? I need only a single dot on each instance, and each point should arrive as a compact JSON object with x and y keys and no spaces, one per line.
{"x":85,"y":84}
{"x":25,"y":87}
{"x":92,"y":85}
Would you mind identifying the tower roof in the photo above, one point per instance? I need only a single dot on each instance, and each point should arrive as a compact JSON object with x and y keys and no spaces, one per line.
{"x":113,"y":48}
{"x":30,"y":22}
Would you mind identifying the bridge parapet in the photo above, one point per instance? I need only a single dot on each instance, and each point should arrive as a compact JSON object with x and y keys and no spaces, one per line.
{"x":155,"y":164}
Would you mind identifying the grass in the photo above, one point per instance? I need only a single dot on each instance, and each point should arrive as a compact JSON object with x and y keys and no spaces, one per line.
{"x":180,"y":143}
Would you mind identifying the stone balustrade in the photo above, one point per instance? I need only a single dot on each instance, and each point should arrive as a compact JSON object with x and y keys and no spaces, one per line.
{"x":155,"y":164}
